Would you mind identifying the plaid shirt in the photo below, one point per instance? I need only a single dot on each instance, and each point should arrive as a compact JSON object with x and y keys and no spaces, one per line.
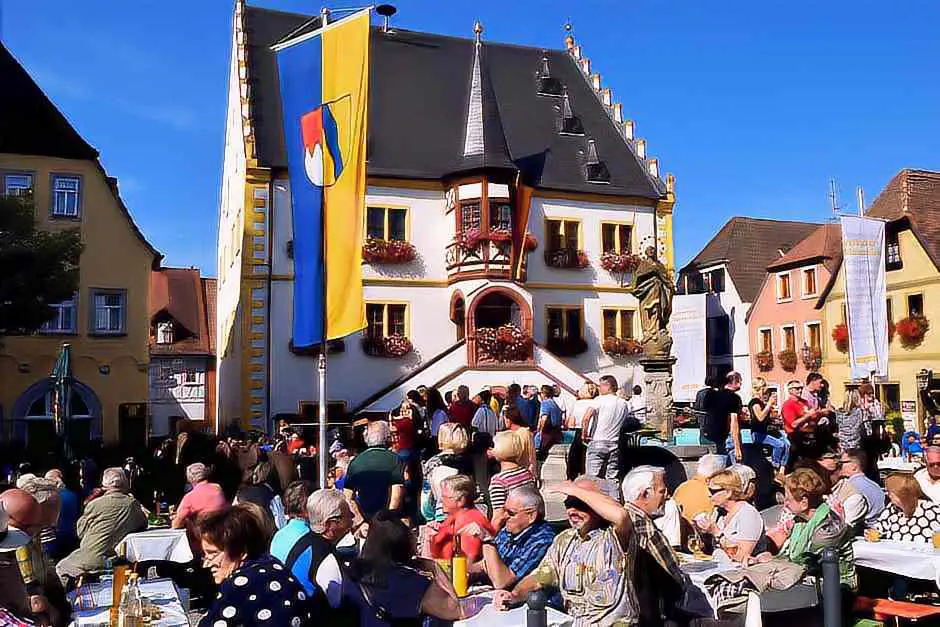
{"x":650,"y":539}
{"x":522,"y":553}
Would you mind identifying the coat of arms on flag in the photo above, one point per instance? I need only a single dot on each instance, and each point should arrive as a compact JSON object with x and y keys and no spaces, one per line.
{"x":325,"y":138}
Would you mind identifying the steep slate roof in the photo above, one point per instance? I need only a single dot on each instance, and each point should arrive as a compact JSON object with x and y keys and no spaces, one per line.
{"x":747,"y":246}
{"x":30,"y":124}
{"x":913,"y":194}
{"x":824,"y":245}
{"x":178,"y":293}
{"x":419,"y":90}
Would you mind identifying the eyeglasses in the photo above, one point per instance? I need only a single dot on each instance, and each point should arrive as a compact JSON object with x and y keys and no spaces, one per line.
{"x":714,"y":491}
{"x":573,"y":503}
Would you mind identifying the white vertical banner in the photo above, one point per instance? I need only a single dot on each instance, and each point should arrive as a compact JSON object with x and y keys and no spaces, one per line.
{"x":863,"y":247}
{"x":687,"y":327}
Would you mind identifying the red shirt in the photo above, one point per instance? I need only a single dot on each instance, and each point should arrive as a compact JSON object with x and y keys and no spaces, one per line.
{"x":442,"y":544}
{"x":794,"y":408}
{"x":403,"y":433}
{"x":294,"y":445}
{"x":462,"y":412}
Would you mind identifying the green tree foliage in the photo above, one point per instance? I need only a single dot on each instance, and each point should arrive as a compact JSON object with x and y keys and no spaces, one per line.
{"x":37,"y":268}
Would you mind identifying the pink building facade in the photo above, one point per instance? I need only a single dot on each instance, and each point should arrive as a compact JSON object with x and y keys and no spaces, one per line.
{"x":785,"y":325}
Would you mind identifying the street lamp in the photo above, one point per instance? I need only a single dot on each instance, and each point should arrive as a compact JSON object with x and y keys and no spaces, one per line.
{"x":924,"y":378}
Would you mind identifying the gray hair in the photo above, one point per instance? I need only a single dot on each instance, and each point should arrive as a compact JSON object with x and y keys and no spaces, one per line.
{"x":377,"y":433}
{"x":41,"y":489}
{"x":323,"y":505}
{"x":640,"y":480}
{"x":710,"y":465}
{"x":529,"y":498}
{"x":605,"y":487}
{"x":24,"y":479}
{"x":196,"y":472}
{"x":55,"y":475}
{"x":114,"y":479}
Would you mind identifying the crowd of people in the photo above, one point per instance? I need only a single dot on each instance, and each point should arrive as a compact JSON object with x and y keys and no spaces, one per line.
{"x":449,"y":474}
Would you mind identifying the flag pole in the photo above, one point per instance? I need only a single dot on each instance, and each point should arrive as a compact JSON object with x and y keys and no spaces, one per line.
{"x":321,"y":362}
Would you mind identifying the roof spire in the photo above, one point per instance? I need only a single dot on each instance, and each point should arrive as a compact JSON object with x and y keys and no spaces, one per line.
{"x":473,"y":137}
{"x":569,"y":35}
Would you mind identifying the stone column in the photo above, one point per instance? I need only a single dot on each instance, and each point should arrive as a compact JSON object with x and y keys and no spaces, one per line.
{"x":658,"y":389}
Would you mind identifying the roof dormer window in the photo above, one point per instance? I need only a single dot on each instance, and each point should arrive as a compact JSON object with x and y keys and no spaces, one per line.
{"x":570,"y":123}
{"x":596,"y":169}
{"x":164,"y":332}
{"x":548,"y":85}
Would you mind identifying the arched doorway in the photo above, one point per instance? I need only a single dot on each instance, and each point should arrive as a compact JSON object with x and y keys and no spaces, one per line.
{"x":33,"y":423}
{"x":493,"y":308}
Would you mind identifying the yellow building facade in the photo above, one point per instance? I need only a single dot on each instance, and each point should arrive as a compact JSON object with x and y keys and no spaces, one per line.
{"x":913,"y":288}
{"x":107,"y":321}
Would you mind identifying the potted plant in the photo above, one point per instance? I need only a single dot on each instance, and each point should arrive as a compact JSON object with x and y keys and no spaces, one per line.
{"x":787,"y":360}
{"x":840,"y":334}
{"x":812,"y":357}
{"x":506,"y":343}
{"x":765,"y":361}
{"x":393,"y":347}
{"x":567,"y":258}
{"x":622,"y":347}
{"x":912,"y":330}
{"x":621,"y":263}
{"x":388,"y":251}
{"x":500,"y":235}
{"x":530,"y":243}
{"x":470,"y":239}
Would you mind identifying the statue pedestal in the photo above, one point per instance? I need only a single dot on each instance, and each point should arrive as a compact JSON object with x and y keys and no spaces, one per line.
{"x":658,"y":389}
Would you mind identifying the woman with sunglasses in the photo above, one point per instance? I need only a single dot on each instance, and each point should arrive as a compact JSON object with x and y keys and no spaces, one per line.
{"x":738,"y":528}
{"x":254,"y":588}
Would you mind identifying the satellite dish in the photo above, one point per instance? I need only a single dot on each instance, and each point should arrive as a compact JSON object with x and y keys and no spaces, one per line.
{"x":386,"y":11}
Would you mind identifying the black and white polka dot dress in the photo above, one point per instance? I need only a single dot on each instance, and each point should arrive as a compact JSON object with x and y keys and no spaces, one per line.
{"x":920,"y":527}
{"x":261,"y":592}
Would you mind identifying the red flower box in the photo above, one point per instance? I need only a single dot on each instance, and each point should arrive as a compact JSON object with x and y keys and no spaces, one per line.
{"x":621,"y":263}
{"x":567,"y":258}
{"x":500,"y":235}
{"x":811,"y":357}
{"x":530,"y":243}
{"x":841,"y":336}
{"x":912,"y":330}
{"x":787,"y":360}
{"x":388,"y":251}
{"x":507,"y":343}
{"x":393,"y":347}
{"x":622,"y":347}
{"x":765,"y":361}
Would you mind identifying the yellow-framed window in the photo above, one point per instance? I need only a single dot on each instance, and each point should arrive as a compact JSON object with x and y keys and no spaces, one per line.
{"x":564,"y":322}
{"x":618,"y":323}
{"x":386,"y":319}
{"x":616,"y":238}
{"x":388,"y":223}
{"x":563,"y":233}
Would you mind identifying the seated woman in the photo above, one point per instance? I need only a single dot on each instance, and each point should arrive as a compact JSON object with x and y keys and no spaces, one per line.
{"x":508,"y":451}
{"x":254,"y":588}
{"x":815,"y":527}
{"x":453,"y":459}
{"x":463,"y":519}
{"x":909,"y":517}
{"x":390,"y":585}
{"x":739,"y":527}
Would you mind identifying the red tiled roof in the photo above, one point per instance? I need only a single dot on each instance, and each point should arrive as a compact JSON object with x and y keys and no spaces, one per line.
{"x":824,"y":244}
{"x":913,"y":194}
{"x":177,"y":294}
{"x":747,"y":245}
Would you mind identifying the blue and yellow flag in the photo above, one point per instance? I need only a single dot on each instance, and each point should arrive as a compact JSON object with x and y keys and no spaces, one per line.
{"x":324,"y":98}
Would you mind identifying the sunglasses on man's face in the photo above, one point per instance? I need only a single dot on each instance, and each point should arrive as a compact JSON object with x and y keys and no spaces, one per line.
{"x":714,"y":491}
{"x":573,"y":503}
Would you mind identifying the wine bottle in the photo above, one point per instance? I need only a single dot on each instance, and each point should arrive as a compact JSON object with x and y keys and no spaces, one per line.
{"x":459,"y":573}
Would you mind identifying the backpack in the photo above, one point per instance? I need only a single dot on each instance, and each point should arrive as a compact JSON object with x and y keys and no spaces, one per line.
{"x":701,"y":399}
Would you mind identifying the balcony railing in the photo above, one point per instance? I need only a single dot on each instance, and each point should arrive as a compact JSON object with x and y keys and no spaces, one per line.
{"x":489,"y":258}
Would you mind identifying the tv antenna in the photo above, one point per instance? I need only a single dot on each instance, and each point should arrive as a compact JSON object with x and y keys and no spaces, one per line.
{"x":834,"y":198}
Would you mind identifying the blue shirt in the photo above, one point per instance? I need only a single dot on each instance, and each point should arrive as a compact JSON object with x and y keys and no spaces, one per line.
{"x":528,"y":408}
{"x":284,"y":540}
{"x":523,"y":553}
{"x":69,"y":511}
{"x":551,"y":409}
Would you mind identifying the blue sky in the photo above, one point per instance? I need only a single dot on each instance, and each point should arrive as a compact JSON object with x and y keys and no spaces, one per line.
{"x":753,"y":105}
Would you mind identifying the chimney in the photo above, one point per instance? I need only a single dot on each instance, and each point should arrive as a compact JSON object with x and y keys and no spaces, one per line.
{"x":641,"y":148}
{"x":596,"y":81}
{"x":628,"y":129}
{"x":618,"y":112}
{"x":585,"y":65}
{"x":606,"y":96}
{"x":576,"y":52}
{"x":653,"y":167}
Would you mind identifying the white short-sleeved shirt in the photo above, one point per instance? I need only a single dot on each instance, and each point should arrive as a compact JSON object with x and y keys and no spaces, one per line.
{"x":930,"y":487}
{"x":578,"y":409}
{"x":746,"y":525}
{"x":611,"y":412}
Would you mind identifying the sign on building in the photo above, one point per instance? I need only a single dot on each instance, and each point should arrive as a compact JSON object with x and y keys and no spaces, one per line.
{"x":863,"y":245}
{"x":687,"y":326}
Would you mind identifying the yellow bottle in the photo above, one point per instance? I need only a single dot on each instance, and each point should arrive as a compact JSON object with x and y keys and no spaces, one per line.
{"x":459,"y":575}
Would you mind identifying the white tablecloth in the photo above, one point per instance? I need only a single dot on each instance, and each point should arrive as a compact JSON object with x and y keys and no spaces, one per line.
{"x":489,"y":616}
{"x":898,"y":464}
{"x":168,"y":545}
{"x":917,"y":561}
{"x":162,"y":592}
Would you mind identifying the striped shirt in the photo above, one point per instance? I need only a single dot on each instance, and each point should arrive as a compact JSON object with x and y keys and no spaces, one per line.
{"x":504,"y":482}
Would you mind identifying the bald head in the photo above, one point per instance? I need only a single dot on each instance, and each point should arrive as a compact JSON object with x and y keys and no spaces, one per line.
{"x":933,"y":462}
{"x":21,"y":507}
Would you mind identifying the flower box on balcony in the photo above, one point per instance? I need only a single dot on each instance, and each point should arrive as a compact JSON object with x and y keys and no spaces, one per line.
{"x":388,"y":251}
{"x":765,"y":361}
{"x":500,"y":235}
{"x":392,"y":347}
{"x":912,"y":330}
{"x":530,"y":243}
{"x":787,"y":360}
{"x":622,"y":347}
{"x":812,"y":358}
{"x":567,"y":258}
{"x":840,"y":334}
{"x":621,"y":263}
{"x":507,"y":343}
{"x":567,"y":347}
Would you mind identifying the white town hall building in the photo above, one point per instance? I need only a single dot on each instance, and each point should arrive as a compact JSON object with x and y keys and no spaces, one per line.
{"x":507,"y":199}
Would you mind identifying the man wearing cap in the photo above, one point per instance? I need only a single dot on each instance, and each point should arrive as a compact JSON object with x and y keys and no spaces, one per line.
{"x":799,"y":421}
{"x":105,"y":522}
